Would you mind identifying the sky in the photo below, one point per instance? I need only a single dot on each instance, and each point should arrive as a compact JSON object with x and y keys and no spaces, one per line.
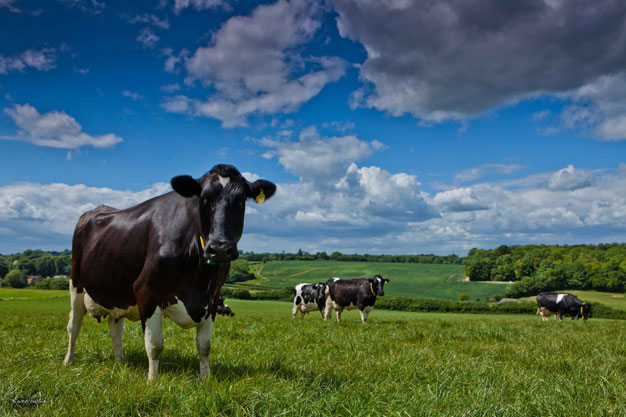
{"x":388,"y":126}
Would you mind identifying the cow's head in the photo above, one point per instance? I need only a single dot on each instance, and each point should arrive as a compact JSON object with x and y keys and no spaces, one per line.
{"x":585,"y":311}
{"x":222,"y":195}
{"x":377,"y":283}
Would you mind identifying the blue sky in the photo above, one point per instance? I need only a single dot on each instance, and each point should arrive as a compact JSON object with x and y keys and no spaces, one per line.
{"x":391,"y":126}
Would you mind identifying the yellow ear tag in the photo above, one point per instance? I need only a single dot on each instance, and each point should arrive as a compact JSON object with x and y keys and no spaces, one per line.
{"x":260,"y":198}
{"x":202,"y":243}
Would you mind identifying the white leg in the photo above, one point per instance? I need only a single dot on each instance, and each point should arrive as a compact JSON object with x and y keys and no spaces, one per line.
{"x":294,"y":312}
{"x":364,"y":314}
{"x":153,"y":338}
{"x":339,"y":316}
{"x":328,"y":308}
{"x":203,"y":343}
{"x":77,"y":312}
{"x":116,"y":331}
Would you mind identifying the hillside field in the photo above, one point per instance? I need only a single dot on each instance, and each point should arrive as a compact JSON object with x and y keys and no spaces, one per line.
{"x":410,"y":280}
{"x":263,"y":363}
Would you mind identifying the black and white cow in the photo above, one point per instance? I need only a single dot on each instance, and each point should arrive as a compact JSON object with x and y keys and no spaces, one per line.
{"x":224,"y":309}
{"x":353,"y":293}
{"x":562,"y":304}
{"x":309,"y":297}
{"x":167,"y":256}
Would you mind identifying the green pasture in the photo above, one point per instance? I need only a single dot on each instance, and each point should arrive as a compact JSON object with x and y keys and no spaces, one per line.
{"x":410,"y":280}
{"x":265,"y":364}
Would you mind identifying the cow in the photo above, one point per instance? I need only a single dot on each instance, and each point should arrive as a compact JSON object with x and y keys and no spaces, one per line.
{"x":562,"y":304}
{"x":167,"y":256}
{"x":224,"y":309}
{"x":309,"y":297}
{"x":353,"y":293}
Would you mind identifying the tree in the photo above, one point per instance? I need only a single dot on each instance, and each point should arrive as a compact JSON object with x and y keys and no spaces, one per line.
{"x":239,"y":271}
{"x":16,"y":278}
{"x":463,"y":296}
{"x":4,"y":268}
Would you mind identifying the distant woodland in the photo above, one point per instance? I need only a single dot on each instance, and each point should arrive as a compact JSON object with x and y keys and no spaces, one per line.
{"x":537,"y":268}
{"x":532,"y":268}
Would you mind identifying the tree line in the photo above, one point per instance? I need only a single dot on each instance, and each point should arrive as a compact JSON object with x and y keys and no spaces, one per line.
{"x":537,"y":268}
{"x":338,"y":256}
{"x":14,"y":269}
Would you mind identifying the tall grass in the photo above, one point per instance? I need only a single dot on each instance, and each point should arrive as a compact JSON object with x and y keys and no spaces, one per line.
{"x":263,"y":363}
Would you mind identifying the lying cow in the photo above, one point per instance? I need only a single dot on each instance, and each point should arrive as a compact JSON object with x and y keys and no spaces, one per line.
{"x":353,"y":293}
{"x":562,"y":304}
{"x":224,"y":309}
{"x":309,"y":297}
{"x":167,"y":256}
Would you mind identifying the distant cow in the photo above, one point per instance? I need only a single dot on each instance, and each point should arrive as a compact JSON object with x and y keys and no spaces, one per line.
{"x":353,"y":293}
{"x":562,"y":304}
{"x":309,"y":297}
{"x":224,"y":309}
{"x":151,"y":260}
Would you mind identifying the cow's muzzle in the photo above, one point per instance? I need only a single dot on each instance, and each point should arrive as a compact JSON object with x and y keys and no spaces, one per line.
{"x":221,"y":251}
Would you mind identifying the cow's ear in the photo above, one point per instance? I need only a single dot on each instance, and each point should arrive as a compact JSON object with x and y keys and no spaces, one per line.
{"x":261,"y":190}
{"x":385,"y":280}
{"x":186,"y":186}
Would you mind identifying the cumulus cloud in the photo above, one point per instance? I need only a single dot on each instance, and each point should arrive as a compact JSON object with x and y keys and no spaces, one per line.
{"x":254,"y":66}
{"x":455,"y":59}
{"x":570,"y":178}
{"x":41,"y":60}
{"x":53,"y":129}
{"x":86,"y":6}
{"x":317,"y":159}
{"x":44,"y":215}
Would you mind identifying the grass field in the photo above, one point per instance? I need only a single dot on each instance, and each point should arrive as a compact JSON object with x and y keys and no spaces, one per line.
{"x":263,"y":363}
{"x":411,"y":280}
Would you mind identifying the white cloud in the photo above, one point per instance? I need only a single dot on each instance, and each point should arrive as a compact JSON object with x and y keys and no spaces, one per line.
{"x":150,"y":19}
{"x":253,"y":65}
{"x":476,"y":173}
{"x":570,"y":178}
{"x":86,"y":6}
{"x":147,"y":38}
{"x":41,"y":60}
{"x":456,"y":59}
{"x":53,"y":129}
{"x":200,"y":4}
{"x":132,"y":95}
{"x":44,"y":215}
{"x":317,"y":159}
{"x":9,"y":4}
{"x":170,"y":88}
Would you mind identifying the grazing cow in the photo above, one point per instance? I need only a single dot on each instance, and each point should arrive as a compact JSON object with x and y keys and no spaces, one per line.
{"x":353,"y":293}
{"x":562,"y":304}
{"x":224,"y":309}
{"x":309,"y":297}
{"x":167,"y":256}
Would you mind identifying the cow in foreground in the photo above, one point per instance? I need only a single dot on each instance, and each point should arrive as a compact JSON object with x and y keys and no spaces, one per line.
{"x":167,"y":256}
{"x":353,"y":293}
{"x":562,"y":304}
{"x":309,"y":297}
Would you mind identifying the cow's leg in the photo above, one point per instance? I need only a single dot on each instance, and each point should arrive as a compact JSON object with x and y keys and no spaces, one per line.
{"x":153,"y":338}
{"x":364,"y":313}
{"x":328,"y":308}
{"x":203,"y":344}
{"x":77,"y":312}
{"x":339,"y":314}
{"x":116,"y":331}
{"x":294,"y":312}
